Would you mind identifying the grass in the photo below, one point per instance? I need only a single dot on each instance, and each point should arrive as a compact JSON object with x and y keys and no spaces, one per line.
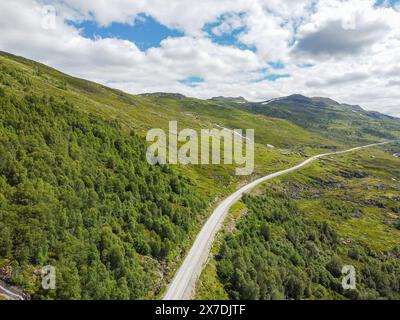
{"x":320,"y":183}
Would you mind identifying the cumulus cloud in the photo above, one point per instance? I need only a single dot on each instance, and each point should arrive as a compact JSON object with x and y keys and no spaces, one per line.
{"x":352,"y":77}
{"x":351,"y":47}
{"x":230,"y":23}
{"x":337,"y":40}
{"x":395,"y":83}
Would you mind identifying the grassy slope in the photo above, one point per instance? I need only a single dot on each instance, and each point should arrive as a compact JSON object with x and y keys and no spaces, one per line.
{"x":142,"y":113}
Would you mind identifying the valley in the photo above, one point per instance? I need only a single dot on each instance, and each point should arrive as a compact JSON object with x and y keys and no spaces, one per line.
{"x":74,"y":179}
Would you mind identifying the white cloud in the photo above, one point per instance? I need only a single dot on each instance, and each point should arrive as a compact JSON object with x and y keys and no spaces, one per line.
{"x":230,"y":23}
{"x":358,"y":64}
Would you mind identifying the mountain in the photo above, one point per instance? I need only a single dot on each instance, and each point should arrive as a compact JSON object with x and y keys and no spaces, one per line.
{"x":230,"y":99}
{"x":77,"y":193}
{"x":330,"y":118}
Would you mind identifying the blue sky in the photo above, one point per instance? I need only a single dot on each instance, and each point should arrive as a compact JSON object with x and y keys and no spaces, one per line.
{"x":144,"y":31}
{"x":228,"y":36}
{"x":391,"y":3}
{"x":192,"y":81}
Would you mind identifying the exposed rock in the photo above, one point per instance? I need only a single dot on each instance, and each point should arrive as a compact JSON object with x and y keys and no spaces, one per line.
{"x":332,"y":184}
{"x":375,"y":203}
{"x":333,"y":148}
{"x":381,"y":187}
{"x":353,"y":173}
{"x":5,"y":273}
{"x":357,"y":214}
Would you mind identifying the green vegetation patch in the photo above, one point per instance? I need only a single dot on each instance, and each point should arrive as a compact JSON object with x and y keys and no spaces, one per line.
{"x":76,"y":192}
{"x":280,"y":253}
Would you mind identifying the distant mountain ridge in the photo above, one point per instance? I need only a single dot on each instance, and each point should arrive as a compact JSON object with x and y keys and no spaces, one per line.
{"x":230,"y":99}
{"x":329,"y":117}
{"x":323,"y":102}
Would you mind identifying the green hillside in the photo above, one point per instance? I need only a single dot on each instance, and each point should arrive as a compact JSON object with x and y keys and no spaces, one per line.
{"x":144,"y":112}
{"x":77,"y":193}
{"x":336,"y":121}
{"x":294,"y":234}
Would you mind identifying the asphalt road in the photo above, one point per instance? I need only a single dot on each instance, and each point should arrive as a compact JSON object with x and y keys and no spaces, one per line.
{"x":9,"y":294}
{"x":183,"y":285}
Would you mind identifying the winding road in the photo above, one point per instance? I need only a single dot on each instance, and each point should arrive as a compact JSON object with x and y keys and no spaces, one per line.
{"x":183,"y":285}
{"x":4,"y":292}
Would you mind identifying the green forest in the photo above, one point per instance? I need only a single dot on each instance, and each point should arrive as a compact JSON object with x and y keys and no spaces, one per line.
{"x":77,"y":193}
{"x":279,"y":252}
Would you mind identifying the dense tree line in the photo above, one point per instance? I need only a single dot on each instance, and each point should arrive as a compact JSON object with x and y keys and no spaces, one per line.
{"x":279,"y":253}
{"x":76,"y":192}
